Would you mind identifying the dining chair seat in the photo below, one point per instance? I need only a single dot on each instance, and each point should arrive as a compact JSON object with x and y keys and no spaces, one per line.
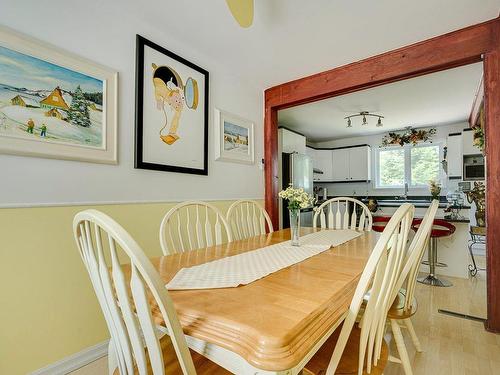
{"x":202,"y":365}
{"x":398,"y":311}
{"x":350,"y":358}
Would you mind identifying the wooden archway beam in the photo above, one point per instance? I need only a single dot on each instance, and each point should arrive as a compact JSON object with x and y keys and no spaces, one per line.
{"x":461,"y":47}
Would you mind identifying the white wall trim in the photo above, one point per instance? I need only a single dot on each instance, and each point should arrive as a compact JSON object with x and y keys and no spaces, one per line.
{"x":75,"y":361}
{"x":106,"y":203}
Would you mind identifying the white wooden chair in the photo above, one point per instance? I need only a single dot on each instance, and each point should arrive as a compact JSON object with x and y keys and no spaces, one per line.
{"x":193,"y":225}
{"x":405,"y":303}
{"x":136,"y":345}
{"x":340,"y":215}
{"x":380,"y":275}
{"x":247,"y":218}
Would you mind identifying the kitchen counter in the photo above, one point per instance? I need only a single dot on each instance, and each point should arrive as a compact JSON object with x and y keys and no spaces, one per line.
{"x":391,"y":201}
{"x":442,"y":218}
{"x":452,"y":250}
{"x":456,"y":220}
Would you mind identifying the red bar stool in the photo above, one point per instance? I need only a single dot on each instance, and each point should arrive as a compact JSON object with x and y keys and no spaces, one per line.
{"x":379,"y":223}
{"x":440,"y":228}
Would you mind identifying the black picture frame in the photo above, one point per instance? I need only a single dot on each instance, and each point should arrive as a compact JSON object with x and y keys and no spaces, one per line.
{"x":139,"y":163}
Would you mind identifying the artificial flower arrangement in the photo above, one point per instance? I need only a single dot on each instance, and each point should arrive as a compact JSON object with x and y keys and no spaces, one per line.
{"x":435,"y":189}
{"x":297,"y":198}
{"x":479,"y":138}
{"x":412,"y":136}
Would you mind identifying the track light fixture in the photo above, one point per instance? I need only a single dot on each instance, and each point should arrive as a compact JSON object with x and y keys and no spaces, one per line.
{"x":365,"y":122}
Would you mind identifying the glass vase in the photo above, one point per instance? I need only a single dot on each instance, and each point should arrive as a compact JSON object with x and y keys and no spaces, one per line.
{"x":294,"y":226}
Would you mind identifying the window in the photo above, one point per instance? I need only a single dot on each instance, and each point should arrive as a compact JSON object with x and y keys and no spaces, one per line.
{"x":391,"y":167}
{"x":413,"y":164}
{"x":424,"y":164}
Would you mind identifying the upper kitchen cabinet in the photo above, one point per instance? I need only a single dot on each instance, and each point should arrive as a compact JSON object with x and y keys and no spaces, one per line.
{"x":322,"y":162}
{"x":351,"y":164}
{"x":454,"y":157}
{"x":340,"y":162}
{"x":468,"y":147}
{"x":292,"y":141}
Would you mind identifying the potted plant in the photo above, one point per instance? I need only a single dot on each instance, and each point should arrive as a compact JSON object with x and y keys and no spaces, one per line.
{"x":435,"y":189}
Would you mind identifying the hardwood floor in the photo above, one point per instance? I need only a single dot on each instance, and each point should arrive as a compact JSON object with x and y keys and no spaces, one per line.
{"x":452,"y":346}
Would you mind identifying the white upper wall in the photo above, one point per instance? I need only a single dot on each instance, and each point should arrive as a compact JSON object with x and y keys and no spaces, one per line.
{"x":105,"y":32}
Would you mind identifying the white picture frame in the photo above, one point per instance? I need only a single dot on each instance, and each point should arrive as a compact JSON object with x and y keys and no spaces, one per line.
{"x":234,"y":138}
{"x":13,"y":142}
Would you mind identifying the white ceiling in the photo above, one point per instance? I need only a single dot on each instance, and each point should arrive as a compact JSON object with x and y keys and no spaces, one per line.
{"x":295,"y":38}
{"x":436,"y":99}
{"x":290,"y":39}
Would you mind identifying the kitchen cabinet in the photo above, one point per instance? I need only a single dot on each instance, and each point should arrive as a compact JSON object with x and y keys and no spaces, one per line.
{"x":323,"y":161}
{"x":454,"y":156}
{"x":359,"y":163}
{"x":292,"y":142}
{"x":351,"y":164}
{"x":342,"y":164}
{"x":340,"y":160}
{"x":468,"y":147}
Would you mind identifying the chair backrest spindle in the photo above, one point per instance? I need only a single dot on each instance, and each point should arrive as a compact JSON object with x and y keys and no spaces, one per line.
{"x":380,"y":275}
{"x":199,"y":224}
{"x":416,"y":252}
{"x":125,"y":297}
{"x":247,"y":218}
{"x":354,"y":215}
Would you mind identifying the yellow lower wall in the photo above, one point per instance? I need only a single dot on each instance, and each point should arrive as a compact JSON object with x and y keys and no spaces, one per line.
{"x":48,"y":310}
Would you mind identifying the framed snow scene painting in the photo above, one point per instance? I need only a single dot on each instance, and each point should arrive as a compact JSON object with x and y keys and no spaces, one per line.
{"x":171,"y":111}
{"x":234,"y":139}
{"x":54,"y":104}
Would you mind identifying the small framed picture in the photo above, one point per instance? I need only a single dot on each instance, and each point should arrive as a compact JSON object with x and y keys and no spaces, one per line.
{"x":54,"y":104}
{"x":171,"y":111}
{"x":234,"y":138}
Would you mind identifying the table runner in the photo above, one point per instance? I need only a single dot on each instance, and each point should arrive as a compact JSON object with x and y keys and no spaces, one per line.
{"x":250,"y":266}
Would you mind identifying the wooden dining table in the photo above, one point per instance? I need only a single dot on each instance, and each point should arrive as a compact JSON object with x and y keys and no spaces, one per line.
{"x":273,"y":325}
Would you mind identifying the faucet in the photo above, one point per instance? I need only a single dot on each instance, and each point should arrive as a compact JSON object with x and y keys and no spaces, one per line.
{"x":406,"y":190}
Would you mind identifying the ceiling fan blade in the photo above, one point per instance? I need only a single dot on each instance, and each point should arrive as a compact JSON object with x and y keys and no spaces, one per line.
{"x":242,"y":11}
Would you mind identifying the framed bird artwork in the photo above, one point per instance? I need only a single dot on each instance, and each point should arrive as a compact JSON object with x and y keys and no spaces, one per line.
{"x":171,"y":111}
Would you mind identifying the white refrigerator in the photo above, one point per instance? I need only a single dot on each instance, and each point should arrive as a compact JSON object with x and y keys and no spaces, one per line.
{"x":297,"y":169}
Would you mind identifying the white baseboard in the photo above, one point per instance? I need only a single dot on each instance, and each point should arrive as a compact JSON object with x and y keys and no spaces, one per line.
{"x":75,"y":361}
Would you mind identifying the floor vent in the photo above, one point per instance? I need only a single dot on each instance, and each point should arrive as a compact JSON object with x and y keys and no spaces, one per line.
{"x":460,"y":315}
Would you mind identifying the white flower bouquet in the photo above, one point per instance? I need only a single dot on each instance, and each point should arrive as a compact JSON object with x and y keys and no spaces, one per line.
{"x":297,"y":198}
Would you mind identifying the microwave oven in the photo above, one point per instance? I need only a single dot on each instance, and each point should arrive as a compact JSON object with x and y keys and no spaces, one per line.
{"x":473,"y":167}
